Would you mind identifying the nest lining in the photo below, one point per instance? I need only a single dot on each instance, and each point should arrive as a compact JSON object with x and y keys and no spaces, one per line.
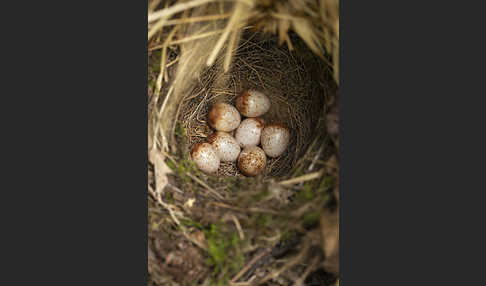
{"x":297,"y":84}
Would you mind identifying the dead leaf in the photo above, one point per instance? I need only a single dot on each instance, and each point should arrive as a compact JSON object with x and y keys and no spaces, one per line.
{"x":198,"y":238}
{"x":160,"y":169}
{"x":189,"y":203}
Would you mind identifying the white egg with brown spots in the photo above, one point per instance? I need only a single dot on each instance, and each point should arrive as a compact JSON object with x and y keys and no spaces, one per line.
{"x":253,"y":103}
{"x":205,"y":157}
{"x":275,"y":139}
{"x":224,"y":117}
{"x":252,"y":161}
{"x":225,"y":146}
{"x":249,"y":132}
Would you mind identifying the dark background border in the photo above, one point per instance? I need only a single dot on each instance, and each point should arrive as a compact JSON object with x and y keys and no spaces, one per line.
{"x":78,"y":142}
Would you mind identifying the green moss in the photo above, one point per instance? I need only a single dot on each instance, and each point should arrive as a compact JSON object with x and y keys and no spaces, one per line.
{"x":309,"y":219}
{"x":306,"y":194}
{"x":225,"y":255}
{"x":170,"y":164}
{"x":169,"y":198}
{"x":326,"y":183}
{"x":260,"y":196}
{"x":155,"y":226}
{"x":189,"y":222}
{"x":152,"y":83}
{"x":263,"y":220}
{"x":231,"y":183}
{"x":180,"y":130}
{"x":181,"y":169}
{"x":287,"y":235}
{"x":154,"y":61}
{"x":217,"y":244}
{"x":298,"y":172}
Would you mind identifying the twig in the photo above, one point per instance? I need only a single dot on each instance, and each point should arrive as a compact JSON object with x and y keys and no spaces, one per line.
{"x":247,"y":283}
{"x":172,"y":62}
{"x":238,"y":227}
{"x":242,"y":209}
{"x":175,"y":9}
{"x":300,"y":281}
{"x":250,"y":264}
{"x":163,"y":66}
{"x":294,"y":261}
{"x":175,"y":188}
{"x":302,"y":178}
{"x":211,"y":190}
{"x":311,"y":166}
{"x":197,"y":19}
{"x":158,"y":198}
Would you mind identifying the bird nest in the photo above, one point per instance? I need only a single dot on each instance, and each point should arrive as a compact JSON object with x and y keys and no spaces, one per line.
{"x":297,"y":84}
{"x":279,"y":228}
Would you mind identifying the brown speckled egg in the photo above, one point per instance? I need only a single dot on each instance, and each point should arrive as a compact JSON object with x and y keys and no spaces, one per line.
{"x":205,"y":157}
{"x":275,"y":139}
{"x":224,"y":117}
{"x":225,"y":146}
{"x":249,"y":131}
{"x":252,"y":161}
{"x":252,"y":103}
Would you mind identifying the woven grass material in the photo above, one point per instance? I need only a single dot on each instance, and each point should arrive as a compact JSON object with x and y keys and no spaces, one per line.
{"x":295,"y":85}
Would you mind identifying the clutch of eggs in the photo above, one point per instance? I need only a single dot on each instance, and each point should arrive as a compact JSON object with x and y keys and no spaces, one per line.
{"x":248,"y":134}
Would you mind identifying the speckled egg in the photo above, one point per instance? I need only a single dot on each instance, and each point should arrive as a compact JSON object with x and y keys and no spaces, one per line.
{"x":275,"y":139}
{"x":252,"y":161}
{"x":252,"y":103}
{"x":225,"y":146}
{"x":249,"y":131}
{"x":205,"y":157}
{"x":224,"y":117}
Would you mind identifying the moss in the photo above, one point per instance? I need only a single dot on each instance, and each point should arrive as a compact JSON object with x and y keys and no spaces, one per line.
{"x":189,"y":222}
{"x":310,"y":219}
{"x":306,"y":194}
{"x":230,"y":183}
{"x":152,"y":83}
{"x":225,"y":255}
{"x":298,"y":172}
{"x":288,"y":235}
{"x":171,"y":165}
{"x":260,"y":195}
{"x":263,"y":220}
{"x":181,"y":169}
{"x":180,"y":131}
{"x":326,"y":183}
{"x":155,"y":58}
{"x":155,"y":226}
{"x":180,"y":134}
{"x":169,"y":198}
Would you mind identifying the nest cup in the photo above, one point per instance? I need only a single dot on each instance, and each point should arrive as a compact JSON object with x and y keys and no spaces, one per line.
{"x":297,"y":83}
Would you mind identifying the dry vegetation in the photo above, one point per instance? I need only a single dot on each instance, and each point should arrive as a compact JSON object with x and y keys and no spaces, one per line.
{"x":280,"y":228}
